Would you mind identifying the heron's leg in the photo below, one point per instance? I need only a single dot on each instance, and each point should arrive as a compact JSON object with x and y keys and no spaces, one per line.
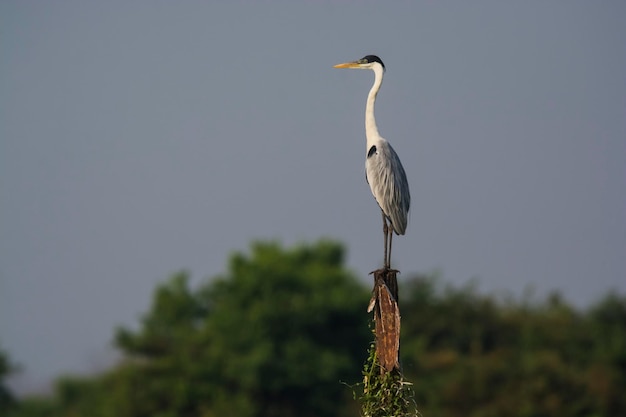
{"x":385,"y":232}
{"x":389,"y":252}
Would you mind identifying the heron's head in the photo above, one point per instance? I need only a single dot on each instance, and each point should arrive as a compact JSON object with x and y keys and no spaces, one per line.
{"x":367,"y":62}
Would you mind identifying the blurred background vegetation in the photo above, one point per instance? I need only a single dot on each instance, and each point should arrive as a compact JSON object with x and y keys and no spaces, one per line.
{"x":285,"y":333}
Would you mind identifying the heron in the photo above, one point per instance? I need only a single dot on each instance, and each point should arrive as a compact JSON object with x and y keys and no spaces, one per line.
{"x":383,"y":170}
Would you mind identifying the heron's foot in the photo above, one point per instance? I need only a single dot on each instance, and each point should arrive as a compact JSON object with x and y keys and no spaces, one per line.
{"x":383,"y":271}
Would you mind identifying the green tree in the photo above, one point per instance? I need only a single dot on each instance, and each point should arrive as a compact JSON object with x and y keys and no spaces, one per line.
{"x":473,"y":355}
{"x":273,"y":337}
{"x":606,"y":348}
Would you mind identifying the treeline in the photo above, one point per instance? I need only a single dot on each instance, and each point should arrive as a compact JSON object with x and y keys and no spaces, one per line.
{"x":285,"y":333}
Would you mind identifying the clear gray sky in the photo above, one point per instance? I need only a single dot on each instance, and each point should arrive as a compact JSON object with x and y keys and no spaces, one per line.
{"x":140,"y":138}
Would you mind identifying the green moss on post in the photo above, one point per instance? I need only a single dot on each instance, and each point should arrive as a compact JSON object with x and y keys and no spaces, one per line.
{"x":385,"y":394}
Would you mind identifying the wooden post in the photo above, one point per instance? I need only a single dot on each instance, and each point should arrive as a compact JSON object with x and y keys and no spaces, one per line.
{"x":384,"y":302}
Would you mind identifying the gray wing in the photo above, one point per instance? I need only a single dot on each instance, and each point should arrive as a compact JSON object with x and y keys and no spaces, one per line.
{"x":387,"y":180}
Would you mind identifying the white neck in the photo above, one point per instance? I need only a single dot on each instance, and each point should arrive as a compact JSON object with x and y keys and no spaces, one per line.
{"x":371,"y":131}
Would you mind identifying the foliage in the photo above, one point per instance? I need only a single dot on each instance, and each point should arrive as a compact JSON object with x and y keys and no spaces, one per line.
{"x":472,"y":355}
{"x":275,"y":336}
{"x":278,"y":333}
{"x":385,"y":394}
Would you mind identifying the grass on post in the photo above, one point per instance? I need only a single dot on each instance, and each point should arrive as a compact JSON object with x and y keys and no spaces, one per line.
{"x":385,"y":394}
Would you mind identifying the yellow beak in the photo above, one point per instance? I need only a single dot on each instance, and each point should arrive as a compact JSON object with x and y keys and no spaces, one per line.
{"x":347,"y":65}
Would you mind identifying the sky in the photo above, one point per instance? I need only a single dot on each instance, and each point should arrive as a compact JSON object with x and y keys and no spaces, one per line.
{"x":138,"y":139}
